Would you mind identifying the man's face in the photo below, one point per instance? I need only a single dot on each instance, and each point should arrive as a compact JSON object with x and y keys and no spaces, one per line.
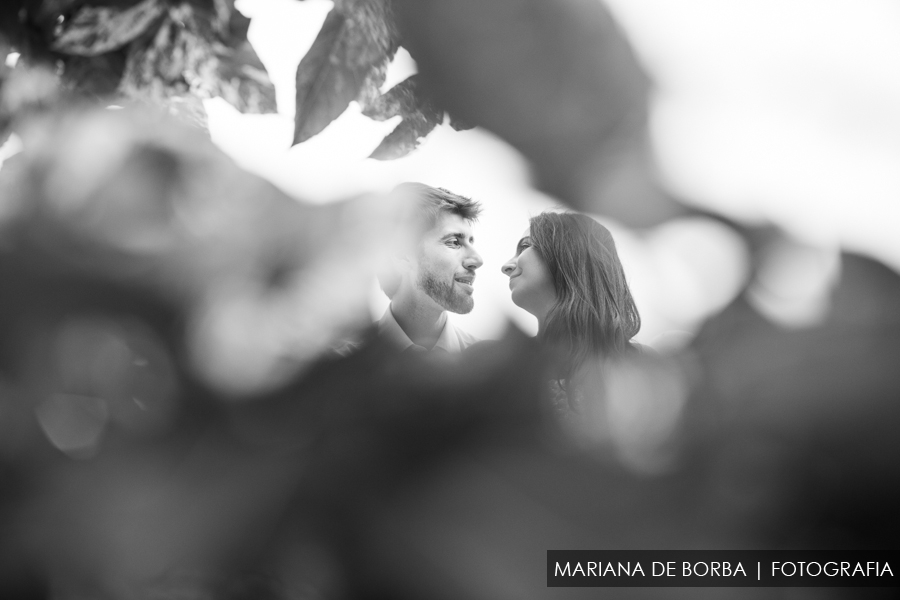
{"x":446,"y":264}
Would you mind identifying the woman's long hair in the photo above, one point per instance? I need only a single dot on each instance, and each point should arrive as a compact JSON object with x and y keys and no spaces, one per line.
{"x":595,"y":314}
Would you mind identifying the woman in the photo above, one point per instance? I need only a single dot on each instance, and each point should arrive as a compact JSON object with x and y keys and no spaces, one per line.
{"x":566,"y":272}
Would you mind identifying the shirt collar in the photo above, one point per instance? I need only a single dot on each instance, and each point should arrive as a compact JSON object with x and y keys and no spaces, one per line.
{"x":389,"y":329}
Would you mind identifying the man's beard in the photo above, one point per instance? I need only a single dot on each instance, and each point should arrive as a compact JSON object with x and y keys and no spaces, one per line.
{"x":445,"y":295}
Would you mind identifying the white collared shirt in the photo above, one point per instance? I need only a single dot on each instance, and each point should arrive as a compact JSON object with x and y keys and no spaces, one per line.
{"x":451,"y":339}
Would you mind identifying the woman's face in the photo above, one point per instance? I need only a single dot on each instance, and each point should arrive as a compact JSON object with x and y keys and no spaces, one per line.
{"x":530,"y":281}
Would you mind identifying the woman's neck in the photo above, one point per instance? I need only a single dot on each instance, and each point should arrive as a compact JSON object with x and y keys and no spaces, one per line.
{"x":542,"y":320}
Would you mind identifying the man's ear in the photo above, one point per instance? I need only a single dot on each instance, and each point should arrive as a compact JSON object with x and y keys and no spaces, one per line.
{"x":392,"y":272}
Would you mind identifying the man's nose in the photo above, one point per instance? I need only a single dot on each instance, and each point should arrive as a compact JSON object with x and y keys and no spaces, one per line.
{"x":473,"y":260}
{"x":509,"y":267}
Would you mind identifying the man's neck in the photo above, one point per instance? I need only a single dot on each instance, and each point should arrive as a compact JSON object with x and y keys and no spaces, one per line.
{"x":421,"y":324}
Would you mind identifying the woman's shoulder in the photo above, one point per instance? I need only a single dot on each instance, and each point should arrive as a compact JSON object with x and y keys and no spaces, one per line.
{"x":643,"y":350}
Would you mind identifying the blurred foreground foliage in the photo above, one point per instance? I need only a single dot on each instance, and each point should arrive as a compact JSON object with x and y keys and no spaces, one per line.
{"x":173,"y":423}
{"x":557,"y":80}
{"x":149,"y":51}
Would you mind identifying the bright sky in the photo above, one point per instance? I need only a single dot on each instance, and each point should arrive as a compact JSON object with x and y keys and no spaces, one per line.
{"x":780,"y":110}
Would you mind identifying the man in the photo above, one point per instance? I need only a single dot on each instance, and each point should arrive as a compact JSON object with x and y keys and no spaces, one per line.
{"x":438,"y":276}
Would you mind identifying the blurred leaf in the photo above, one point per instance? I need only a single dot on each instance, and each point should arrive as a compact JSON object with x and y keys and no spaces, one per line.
{"x":190,"y":109}
{"x":267,"y":284}
{"x":399,"y":101}
{"x":149,"y":51}
{"x":26,"y":91}
{"x":355,"y":40}
{"x":5,"y":115}
{"x":371,"y":88}
{"x":49,"y":10}
{"x":403,"y":139}
{"x":459,"y":124}
{"x":420,"y":116}
{"x":558,"y":80}
{"x":94,"y":30}
{"x":187,"y":56}
{"x":243,"y":81}
{"x":243,"y":84}
{"x":29,"y":35}
{"x":97,"y":76}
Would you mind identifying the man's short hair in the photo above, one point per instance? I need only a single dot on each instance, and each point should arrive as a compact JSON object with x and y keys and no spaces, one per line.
{"x":431,"y":202}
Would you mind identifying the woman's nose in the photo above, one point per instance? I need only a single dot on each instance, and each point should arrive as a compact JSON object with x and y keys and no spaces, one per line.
{"x":509,"y":267}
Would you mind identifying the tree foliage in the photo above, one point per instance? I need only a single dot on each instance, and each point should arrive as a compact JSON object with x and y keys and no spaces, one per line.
{"x":557,"y":80}
{"x":153,"y":446}
{"x":150,"y":51}
{"x":347,"y":62}
{"x":171,"y":418}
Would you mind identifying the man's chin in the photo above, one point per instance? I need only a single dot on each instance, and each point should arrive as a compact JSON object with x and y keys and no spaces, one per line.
{"x":449,"y":299}
{"x":461,"y":306}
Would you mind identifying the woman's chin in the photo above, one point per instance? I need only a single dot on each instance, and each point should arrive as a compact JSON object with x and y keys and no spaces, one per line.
{"x":529,"y":309}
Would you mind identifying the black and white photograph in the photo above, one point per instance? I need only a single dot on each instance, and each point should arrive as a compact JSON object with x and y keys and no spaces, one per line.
{"x":449,"y":299}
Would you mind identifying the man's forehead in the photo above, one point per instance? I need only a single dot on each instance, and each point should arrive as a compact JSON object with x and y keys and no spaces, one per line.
{"x":449,"y":223}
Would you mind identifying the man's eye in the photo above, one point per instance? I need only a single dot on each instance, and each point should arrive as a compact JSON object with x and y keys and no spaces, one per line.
{"x":453,"y":243}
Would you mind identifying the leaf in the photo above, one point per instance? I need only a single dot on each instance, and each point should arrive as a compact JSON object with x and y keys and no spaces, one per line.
{"x":245,"y":87}
{"x":400,"y":100}
{"x":325,"y":87}
{"x":189,"y":54}
{"x":371,"y":88}
{"x":243,"y":80}
{"x":96,"y":76}
{"x":5,"y":116}
{"x":459,"y":124}
{"x":27,"y":91}
{"x":229,"y":24}
{"x":154,"y":70}
{"x":558,"y":80}
{"x":420,"y":116}
{"x":189,"y":109}
{"x":47,"y":11}
{"x":355,"y":40}
{"x":403,"y":139}
{"x":98,"y":29}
